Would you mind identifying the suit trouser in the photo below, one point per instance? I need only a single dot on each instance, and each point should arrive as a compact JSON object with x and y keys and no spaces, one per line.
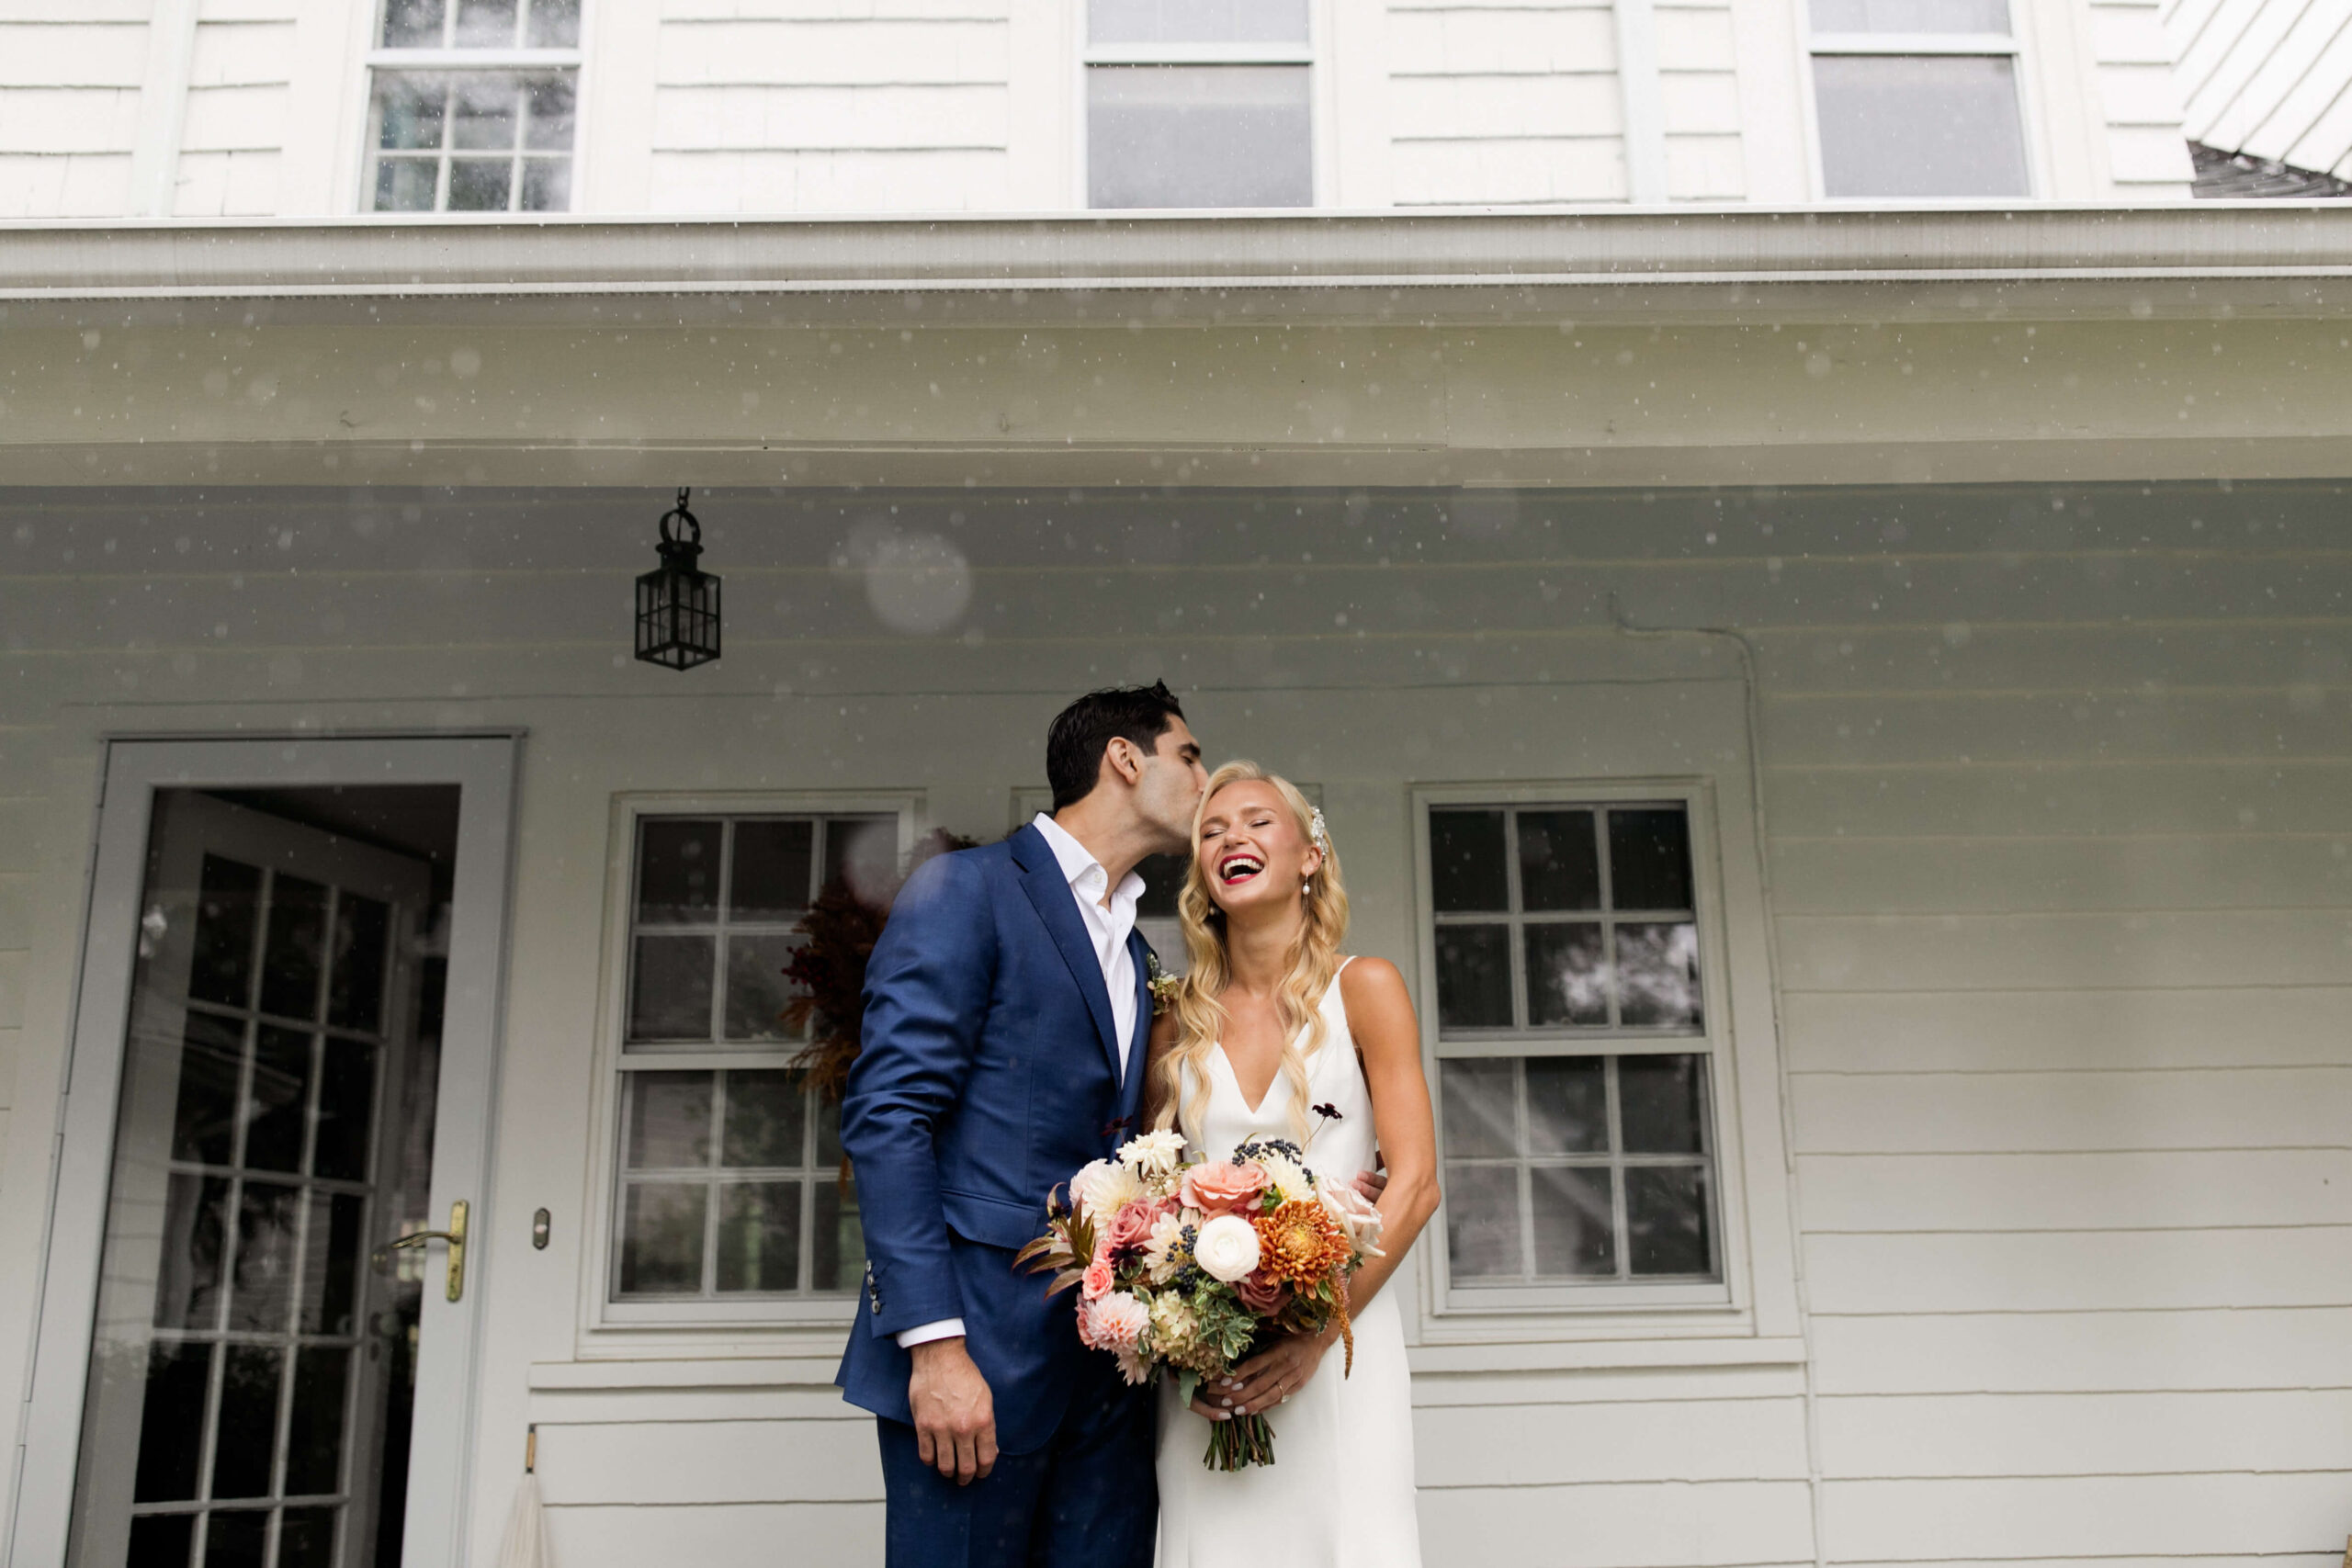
{"x":1089,"y":1499}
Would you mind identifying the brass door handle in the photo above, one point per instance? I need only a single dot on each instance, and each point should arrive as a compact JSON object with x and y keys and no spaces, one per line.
{"x":454,"y":1235}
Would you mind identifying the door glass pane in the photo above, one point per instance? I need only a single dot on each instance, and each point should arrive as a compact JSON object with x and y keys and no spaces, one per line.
{"x":293,"y":956}
{"x":1896,"y":125}
{"x":222,"y":967}
{"x":486,"y":24}
{"x":212,"y":1061}
{"x":245,"y":1352}
{"x":1229,"y":136}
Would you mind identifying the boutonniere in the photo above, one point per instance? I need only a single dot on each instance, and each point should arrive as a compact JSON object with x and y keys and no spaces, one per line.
{"x":1161,"y":985}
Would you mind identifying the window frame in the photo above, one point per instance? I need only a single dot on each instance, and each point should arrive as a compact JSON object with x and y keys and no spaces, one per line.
{"x":376,"y":58}
{"x":1309,"y":54}
{"x":600,"y":1255}
{"x":2012,"y":45}
{"x":1599,"y":1308}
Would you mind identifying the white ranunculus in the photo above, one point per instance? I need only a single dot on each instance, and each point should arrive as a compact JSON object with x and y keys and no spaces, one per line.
{"x":1102,"y":1188}
{"x":1154,"y":1154}
{"x":1226,"y":1248}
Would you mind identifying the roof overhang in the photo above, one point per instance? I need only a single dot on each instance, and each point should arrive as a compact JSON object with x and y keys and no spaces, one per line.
{"x":2198,"y":260}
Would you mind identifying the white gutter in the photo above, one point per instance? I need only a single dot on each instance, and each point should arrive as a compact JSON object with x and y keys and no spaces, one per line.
{"x":2203,"y":259}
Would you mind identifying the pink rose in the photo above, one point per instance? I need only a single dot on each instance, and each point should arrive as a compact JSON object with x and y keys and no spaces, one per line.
{"x":1262,"y":1295}
{"x":1097,"y":1278}
{"x":1130,"y":1227}
{"x":1219,"y":1187}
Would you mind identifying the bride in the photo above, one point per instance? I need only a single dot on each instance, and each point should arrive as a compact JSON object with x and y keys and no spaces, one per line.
{"x":1271,"y":1029}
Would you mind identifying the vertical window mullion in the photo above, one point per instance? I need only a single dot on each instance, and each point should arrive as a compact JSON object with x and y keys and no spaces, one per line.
{"x":712,"y":1192}
{"x":1621,"y":1239}
{"x":719,"y":897}
{"x":1525,"y":1169}
{"x":1515,"y":918}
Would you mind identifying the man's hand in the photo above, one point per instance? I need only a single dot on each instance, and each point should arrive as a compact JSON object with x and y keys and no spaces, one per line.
{"x":954,"y":1412}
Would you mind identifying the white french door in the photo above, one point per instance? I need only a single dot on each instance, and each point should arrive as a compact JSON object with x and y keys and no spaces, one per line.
{"x":259,"y":1314}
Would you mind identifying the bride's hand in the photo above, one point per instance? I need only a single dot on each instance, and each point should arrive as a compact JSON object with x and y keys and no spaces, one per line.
{"x":1265,"y":1379}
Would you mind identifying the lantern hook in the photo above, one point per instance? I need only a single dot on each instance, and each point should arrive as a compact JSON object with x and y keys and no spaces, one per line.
{"x":672,"y":543}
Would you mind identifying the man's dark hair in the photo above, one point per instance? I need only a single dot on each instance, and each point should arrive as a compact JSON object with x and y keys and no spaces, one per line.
{"x":1080,"y":732}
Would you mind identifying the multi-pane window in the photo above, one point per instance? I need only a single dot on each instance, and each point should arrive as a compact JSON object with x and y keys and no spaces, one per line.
{"x":1574,"y":1084}
{"x":474,"y":105}
{"x":1199,"y":103}
{"x":1918,"y":99}
{"x":731,"y":1183}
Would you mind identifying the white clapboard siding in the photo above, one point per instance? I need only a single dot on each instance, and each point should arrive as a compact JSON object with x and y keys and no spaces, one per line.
{"x":2217,"y":1349}
{"x":2268,"y":77}
{"x":1699,"y":95}
{"x":70,"y":78}
{"x":2181,"y":1517}
{"x":2291,"y":1265}
{"x":1751,"y":1524}
{"x":2140,"y":100}
{"x":2216,"y":1108}
{"x":1504,"y":104}
{"x":1994,"y":1031}
{"x":2275,"y":1431}
{"x":811,"y":108}
{"x":2176,"y":1189}
{"x":1539,"y":1445}
{"x":758,"y":1535}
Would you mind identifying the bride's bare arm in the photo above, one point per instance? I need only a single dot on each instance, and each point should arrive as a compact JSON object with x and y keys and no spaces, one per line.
{"x":1157,"y":1045}
{"x":1380,"y":1015}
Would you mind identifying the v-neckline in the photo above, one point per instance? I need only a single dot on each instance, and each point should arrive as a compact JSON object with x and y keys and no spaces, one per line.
{"x":1235,"y":1074}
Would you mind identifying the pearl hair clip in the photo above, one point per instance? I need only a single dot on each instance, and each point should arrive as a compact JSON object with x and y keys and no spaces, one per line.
{"x":1317,"y":833}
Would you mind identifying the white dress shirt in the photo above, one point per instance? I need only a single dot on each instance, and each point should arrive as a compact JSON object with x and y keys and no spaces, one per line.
{"x":1108,"y":921}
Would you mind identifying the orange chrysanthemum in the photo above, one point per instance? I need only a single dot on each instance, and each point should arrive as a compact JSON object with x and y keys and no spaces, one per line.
{"x":1299,"y":1243}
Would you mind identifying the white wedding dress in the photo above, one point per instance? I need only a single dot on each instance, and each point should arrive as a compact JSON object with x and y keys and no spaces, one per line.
{"x":1340,"y":1493}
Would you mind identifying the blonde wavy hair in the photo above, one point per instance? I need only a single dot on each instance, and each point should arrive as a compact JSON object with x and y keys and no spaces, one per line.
{"x":1200,"y":1016}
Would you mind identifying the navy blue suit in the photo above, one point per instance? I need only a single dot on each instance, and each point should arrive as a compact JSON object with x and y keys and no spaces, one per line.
{"x":989,"y":1074}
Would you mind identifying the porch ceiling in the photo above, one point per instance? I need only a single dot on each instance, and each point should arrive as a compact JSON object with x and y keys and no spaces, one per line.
{"x":2201,"y":260}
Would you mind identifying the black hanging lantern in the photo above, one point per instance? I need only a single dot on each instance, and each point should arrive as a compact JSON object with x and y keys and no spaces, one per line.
{"x":677,"y":604}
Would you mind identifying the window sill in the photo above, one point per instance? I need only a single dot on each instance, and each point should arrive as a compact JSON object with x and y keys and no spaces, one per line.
{"x":1574,"y":1355}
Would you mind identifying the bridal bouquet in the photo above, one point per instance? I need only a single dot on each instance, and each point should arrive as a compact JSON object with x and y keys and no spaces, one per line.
{"x":1191,"y":1268}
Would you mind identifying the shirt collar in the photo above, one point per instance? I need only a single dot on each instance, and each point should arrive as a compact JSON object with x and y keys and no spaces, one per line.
{"x":1076,"y":862}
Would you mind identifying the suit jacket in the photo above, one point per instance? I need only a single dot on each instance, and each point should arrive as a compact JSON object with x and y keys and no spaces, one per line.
{"x":988,"y":1074}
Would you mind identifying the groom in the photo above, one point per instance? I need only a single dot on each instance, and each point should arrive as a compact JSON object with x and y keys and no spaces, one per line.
{"x":1006,"y":1011}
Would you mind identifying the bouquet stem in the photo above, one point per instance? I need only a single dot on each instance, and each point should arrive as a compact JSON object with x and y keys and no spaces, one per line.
{"x":1237,"y":1444}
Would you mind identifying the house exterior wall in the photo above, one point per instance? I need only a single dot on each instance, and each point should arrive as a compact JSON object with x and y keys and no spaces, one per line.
{"x":2267,"y":79}
{"x":257,"y":107}
{"x":2059,"y":848}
